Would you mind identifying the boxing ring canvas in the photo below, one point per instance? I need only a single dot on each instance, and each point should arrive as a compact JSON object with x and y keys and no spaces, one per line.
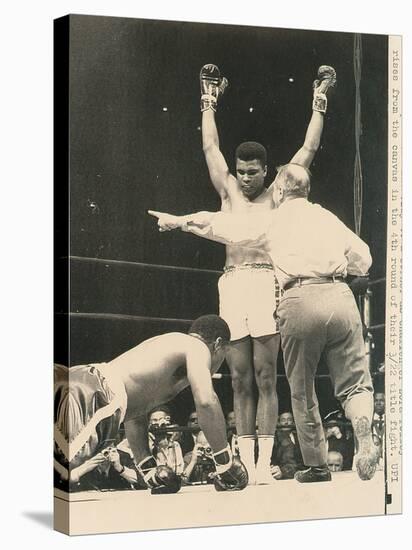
{"x":128,"y":139}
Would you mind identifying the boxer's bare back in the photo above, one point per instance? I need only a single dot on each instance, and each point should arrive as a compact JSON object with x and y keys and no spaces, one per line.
{"x":155,"y":371}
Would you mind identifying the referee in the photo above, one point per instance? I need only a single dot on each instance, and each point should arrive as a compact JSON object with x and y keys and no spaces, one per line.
{"x":312,"y":251}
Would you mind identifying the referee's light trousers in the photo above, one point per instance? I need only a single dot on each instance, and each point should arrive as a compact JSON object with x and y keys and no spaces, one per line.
{"x":322,"y":320}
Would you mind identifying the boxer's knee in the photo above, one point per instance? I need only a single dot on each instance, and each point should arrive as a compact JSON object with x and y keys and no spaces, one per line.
{"x":265,"y":378}
{"x":241,"y":367}
{"x":242,"y":381}
{"x":265,"y":351}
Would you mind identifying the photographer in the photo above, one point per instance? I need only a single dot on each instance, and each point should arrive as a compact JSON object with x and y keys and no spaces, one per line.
{"x":111,"y":469}
{"x":164,"y":447}
{"x":199,"y":465}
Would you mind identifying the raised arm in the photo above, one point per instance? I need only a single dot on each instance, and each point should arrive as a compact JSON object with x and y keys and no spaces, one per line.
{"x":307,"y":152}
{"x":212,"y":86}
{"x":326,"y":79}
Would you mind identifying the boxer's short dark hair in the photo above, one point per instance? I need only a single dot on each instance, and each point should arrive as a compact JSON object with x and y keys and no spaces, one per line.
{"x":251,"y":150}
{"x":210,"y":327}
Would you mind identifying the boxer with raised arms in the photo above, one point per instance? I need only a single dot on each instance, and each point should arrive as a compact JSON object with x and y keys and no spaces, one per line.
{"x":248,"y":290}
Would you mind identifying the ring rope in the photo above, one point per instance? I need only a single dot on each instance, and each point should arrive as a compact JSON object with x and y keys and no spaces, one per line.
{"x":121,"y":317}
{"x":165,"y":267}
{"x":142,"y":264}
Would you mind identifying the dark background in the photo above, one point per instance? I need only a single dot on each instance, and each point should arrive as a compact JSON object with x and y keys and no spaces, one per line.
{"x":128,"y":154}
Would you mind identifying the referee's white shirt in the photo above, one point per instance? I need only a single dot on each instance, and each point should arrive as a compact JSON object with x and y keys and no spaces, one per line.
{"x":302,"y":239}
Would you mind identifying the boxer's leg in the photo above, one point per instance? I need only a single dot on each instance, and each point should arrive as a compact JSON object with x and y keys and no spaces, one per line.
{"x":239,"y":359}
{"x":266,"y":341}
{"x":265,"y":352}
{"x":137,"y":436}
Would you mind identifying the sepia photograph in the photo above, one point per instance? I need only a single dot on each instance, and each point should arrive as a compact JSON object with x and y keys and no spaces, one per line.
{"x":227,"y":268}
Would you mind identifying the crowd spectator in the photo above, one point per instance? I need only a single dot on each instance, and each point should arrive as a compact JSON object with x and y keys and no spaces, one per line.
{"x":378,"y":443}
{"x":110,"y":469}
{"x":339,"y":437}
{"x":189,"y":438}
{"x":378,"y":427}
{"x":164,"y":447}
{"x":199,"y":465}
{"x":232,"y":432}
{"x":335,"y":461}
{"x":286,"y":456}
{"x":379,"y":415}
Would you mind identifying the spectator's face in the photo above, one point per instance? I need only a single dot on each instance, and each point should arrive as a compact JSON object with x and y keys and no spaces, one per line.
{"x":286,"y":420}
{"x":380,"y":403}
{"x":159,"y":418}
{"x":231,"y":420}
{"x":193,"y":421}
{"x":335,"y":461}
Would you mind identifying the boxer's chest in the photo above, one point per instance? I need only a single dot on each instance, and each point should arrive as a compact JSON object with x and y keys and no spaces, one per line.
{"x":237,"y":203}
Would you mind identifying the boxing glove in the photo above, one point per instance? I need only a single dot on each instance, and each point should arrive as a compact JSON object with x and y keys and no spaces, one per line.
{"x":160,"y":479}
{"x":212,"y":85}
{"x":326,"y":79}
{"x":231,"y":473}
{"x":234,"y":479}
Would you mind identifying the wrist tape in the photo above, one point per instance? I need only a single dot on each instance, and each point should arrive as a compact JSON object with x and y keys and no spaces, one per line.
{"x":223,"y":459}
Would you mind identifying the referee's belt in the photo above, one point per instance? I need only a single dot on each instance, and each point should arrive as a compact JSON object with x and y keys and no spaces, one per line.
{"x":301,"y":281}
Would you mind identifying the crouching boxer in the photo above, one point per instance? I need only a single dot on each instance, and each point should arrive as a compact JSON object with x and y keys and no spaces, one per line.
{"x":91,"y":401}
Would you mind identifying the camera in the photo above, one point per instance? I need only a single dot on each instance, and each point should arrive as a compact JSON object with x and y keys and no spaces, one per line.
{"x":106,"y":452}
{"x":155,"y":428}
{"x":206,"y":453}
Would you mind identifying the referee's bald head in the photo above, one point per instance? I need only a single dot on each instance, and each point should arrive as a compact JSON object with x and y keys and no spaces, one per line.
{"x":293,"y":180}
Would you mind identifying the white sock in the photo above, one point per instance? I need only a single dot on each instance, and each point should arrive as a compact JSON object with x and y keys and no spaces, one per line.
{"x":247,"y":453}
{"x":265,"y":451}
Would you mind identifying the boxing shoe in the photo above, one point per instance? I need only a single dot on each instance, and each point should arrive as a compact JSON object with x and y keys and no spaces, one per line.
{"x":314,"y":474}
{"x":367,"y":456}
